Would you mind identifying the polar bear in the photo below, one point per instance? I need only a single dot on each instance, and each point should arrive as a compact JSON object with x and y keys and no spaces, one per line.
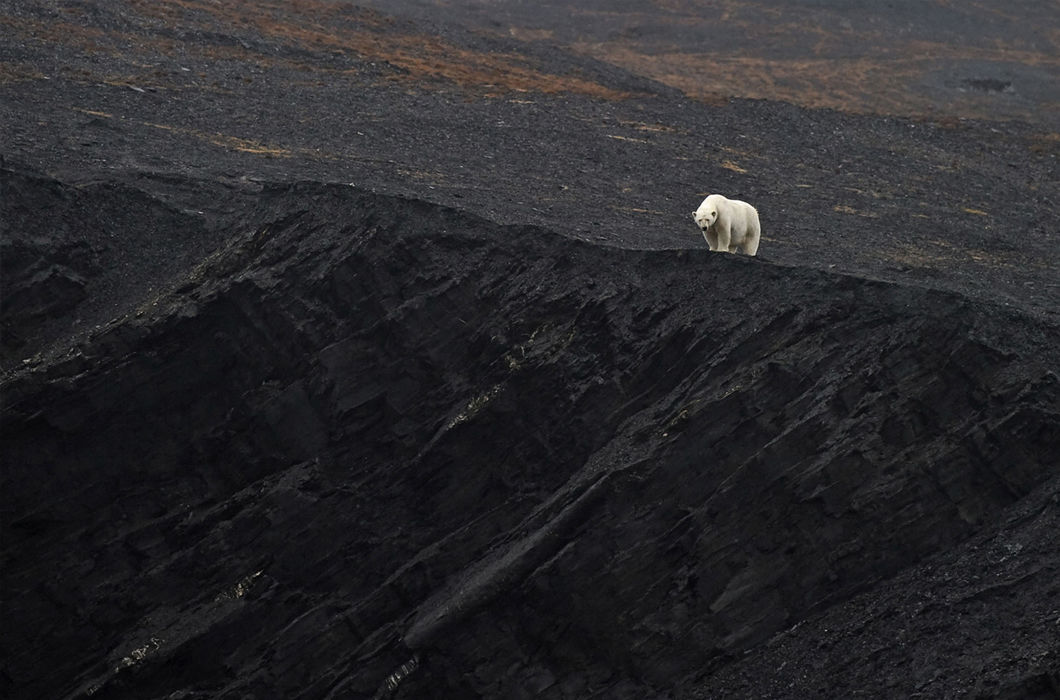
{"x":728,"y":224}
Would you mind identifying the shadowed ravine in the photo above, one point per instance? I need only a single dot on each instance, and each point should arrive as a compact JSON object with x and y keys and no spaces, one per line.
{"x":368,"y":432}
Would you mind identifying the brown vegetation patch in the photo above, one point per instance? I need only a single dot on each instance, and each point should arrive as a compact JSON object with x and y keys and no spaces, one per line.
{"x":422,"y":57}
{"x":527,"y":34}
{"x":16,"y":73}
{"x":228,"y":31}
{"x":1045,"y":144}
{"x":886,"y":83}
{"x":832,"y":83}
{"x":653,"y":128}
{"x":846,"y":209}
{"x":233,"y":143}
{"x":729,"y":165}
{"x":85,"y":38}
{"x":321,"y":26}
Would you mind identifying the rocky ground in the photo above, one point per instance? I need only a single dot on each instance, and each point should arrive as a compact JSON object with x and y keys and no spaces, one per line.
{"x":372,"y":352}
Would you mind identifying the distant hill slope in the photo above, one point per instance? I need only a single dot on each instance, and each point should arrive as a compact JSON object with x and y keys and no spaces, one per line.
{"x":989,"y":60}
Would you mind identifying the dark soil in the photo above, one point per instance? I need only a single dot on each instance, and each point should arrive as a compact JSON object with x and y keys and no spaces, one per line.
{"x":349,"y":354}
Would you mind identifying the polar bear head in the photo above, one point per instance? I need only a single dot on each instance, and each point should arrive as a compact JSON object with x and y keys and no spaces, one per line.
{"x":705,"y":220}
{"x":707,"y":214}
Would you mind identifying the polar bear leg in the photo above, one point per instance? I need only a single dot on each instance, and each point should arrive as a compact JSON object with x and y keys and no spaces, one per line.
{"x":724,"y":238}
{"x":712,"y":238}
{"x":754,"y":236}
{"x":750,"y":246}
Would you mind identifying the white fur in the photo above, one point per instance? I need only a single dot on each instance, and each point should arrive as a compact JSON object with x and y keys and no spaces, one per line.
{"x":728,"y":224}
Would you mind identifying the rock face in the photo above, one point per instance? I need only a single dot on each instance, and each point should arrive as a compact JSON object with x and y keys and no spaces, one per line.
{"x":372,"y":446}
{"x":72,"y":256}
{"x":44,"y":275}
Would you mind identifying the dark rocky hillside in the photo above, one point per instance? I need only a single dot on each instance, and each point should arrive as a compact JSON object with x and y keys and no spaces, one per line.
{"x":358,"y":355}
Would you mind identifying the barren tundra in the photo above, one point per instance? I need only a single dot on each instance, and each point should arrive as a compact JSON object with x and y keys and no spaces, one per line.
{"x":365,"y":351}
